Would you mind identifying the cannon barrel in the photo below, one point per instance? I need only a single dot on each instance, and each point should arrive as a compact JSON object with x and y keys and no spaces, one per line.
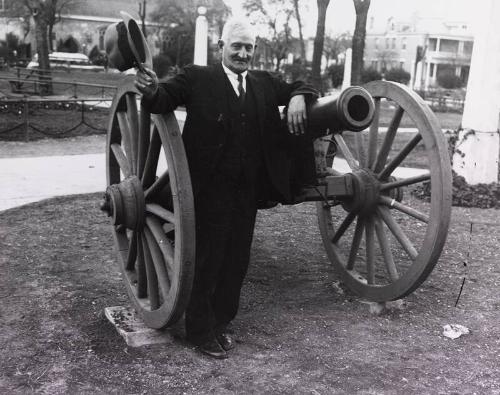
{"x":352,"y":110}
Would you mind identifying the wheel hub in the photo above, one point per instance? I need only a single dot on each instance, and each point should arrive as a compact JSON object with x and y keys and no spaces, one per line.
{"x":366,"y":194}
{"x":125,"y":203}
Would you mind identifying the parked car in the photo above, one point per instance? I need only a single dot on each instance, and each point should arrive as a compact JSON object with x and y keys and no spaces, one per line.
{"x":67,"y":60}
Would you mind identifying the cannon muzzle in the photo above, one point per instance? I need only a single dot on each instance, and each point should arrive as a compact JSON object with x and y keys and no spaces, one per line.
{"x":352,"y":110}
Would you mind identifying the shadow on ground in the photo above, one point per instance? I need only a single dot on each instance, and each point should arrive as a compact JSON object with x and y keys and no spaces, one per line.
{"x":297,"y":331}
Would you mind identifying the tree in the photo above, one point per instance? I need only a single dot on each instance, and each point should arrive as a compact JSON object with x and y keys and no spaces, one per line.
{"x":179,"y":17}
{"x":276,"y":16}
{"x":334,"y":46}
{"x":55,"y":8}
{"x":318,"y":44}
{"x":358,"y":40}
{"x":301,"y":36}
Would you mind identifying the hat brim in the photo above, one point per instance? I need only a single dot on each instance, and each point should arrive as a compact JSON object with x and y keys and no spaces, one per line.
{"x":137,"y":41}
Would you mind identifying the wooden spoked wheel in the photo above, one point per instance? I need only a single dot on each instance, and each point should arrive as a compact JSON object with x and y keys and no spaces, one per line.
{"x":150,"y":202}
{"x":383,"y":241}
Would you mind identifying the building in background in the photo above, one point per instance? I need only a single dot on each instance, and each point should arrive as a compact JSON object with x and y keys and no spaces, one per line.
{"x":424,"y":47}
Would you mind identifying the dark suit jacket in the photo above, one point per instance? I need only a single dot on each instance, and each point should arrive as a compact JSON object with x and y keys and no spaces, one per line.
{"x":202,"y":89}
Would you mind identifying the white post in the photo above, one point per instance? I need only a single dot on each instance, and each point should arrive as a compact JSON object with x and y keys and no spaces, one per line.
{"x":201,"y":38}
{"x":478,"y":144}
{"x":346,"y":83}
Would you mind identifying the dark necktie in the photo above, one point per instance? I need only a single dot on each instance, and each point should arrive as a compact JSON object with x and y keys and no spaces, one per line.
{"x":241,"y":91}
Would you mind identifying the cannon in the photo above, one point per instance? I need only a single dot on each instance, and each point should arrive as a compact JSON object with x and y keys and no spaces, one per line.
{"x":382,"y":242}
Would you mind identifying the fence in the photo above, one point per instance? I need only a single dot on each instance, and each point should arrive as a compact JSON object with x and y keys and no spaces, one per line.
{"x":30,"y":118}
{"x":74,"y":108}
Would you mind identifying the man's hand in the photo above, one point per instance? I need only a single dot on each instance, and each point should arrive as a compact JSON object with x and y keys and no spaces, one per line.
{"x":146,"y":82}
{"x":297,"y":115}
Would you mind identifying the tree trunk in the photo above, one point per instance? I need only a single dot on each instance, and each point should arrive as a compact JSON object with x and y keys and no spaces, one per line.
{"x":318,"y":44}
{"x":358,"y":40}
{"x":301,"y":36}
{"x":42,"y":48}
{"x":50,"y":28}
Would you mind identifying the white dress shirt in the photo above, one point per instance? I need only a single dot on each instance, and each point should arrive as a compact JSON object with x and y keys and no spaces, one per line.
{"x":233,"y":79}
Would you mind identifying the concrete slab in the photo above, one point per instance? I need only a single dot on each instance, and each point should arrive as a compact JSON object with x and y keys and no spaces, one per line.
{"x":133,"y":330}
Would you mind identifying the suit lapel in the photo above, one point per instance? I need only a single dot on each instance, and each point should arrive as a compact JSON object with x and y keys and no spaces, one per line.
{"x":258,"y":90}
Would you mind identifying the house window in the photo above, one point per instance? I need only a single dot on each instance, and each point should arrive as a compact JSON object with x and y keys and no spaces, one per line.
{"x":372,"y":20}
{"x":401,"y":65}
{"x":2,"y":5}
{"x":387,"y":43}
{"x":431,"y":72}
{"x":376,"y":43}
{"x":375,"y":64}
{"x":403,"y":43}
{"x":394,"y":43}
{"x":448,"y":46}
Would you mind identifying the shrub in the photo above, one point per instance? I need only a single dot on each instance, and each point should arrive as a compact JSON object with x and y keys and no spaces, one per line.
{"x":448,"y":80}
{"x":162,"y":65}
{"x":70,"y":44}
{"x":97,"y":57}
{"x":336,"y":73}
{"x":370,"y":74}
{"x":398,"y":75}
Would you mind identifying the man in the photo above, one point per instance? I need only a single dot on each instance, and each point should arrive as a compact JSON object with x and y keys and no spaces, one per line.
{"x":238,"y":154}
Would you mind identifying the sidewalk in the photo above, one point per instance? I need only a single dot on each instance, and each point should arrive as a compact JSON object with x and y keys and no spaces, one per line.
{"x":28,"y":180}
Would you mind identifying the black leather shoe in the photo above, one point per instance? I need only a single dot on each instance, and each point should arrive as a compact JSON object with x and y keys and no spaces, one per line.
{"x":225,"y":340}
{"x":213,"y":349}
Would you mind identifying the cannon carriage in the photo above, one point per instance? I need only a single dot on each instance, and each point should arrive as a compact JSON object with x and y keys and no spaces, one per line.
{"x":382,"y":242}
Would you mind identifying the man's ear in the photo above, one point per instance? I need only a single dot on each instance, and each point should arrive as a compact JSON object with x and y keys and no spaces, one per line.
{"x":220,"y":44}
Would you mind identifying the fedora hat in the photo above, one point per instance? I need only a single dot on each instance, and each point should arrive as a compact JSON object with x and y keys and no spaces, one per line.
{"x":125,"y":44}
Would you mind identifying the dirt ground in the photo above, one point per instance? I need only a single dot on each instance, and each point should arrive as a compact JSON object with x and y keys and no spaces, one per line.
{"x":298,"y":331}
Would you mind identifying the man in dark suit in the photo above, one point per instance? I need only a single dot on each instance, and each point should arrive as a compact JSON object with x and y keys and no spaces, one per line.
{"x":238,"y":152}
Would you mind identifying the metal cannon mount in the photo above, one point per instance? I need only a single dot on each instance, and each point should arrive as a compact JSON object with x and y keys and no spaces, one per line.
{"x":381,"y":240}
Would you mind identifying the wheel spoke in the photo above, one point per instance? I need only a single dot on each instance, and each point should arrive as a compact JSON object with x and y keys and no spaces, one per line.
{"x":356,"y":241}
{"x":133,"y":122}
{"x":360,"y":149}
{"x":388,"y":140}
{"x":152,"y":157}
{"x":370,"y":251}
{"x":397,"y":232}
{"x":142,"y":280}
{"x":153,"y":296}
{"x":143,"y":140}
{"x":158,"y":185}
{"x":157,"y":257}
{"x":132,"y":252}
{"x":163,"y":243}
{"x":387,"y":201}
{"x":160,"y":212}
{"x":351,"y":161}
{"x":343,"y":227}
{"x":395,"y":162}
{"x":373,"y":134}
{"x":385,"y":247}
{"x":126,"y":137}
{"x":405,"y":181}
{"x":121,"y":159}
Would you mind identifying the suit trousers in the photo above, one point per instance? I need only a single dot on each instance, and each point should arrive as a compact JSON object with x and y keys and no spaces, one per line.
{"x":225,"y":220}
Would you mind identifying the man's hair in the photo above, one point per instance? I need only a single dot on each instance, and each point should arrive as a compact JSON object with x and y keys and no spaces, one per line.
{"x":235,"y":25}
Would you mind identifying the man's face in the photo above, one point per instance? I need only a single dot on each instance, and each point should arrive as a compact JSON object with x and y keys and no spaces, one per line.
{"x":238,"y":51}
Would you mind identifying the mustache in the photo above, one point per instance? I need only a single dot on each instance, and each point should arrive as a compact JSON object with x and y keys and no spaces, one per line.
{"x":236,"y":57}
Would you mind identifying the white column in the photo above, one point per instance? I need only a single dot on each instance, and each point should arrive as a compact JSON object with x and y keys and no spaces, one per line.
{"x":478,"y":142}
{"x":347,"y":69}
{"x":427,"y":75}
{"x":201,"y":38}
